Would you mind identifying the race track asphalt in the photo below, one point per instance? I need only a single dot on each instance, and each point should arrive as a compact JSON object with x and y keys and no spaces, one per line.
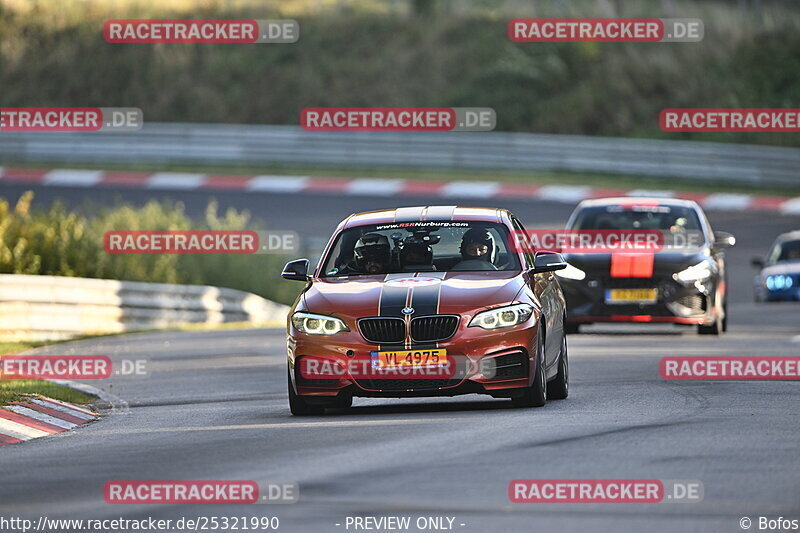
{"x":214,"y":407}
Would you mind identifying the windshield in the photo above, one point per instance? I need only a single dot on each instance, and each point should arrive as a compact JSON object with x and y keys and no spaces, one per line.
{"x":638,"y":217}
{"x":420,"y":247}
{"x":785,"y":251}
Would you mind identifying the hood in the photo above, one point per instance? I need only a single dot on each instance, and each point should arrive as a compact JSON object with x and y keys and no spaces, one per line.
{"x":643,"y":265}
{"x":784,"y":268}
{"x":427,"y":292}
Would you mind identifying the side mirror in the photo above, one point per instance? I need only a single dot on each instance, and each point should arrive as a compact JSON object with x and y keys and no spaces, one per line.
{"x":723,"y":239}
{"x":548,"y":262}
{"x":296,"y":270}
{"x":757,"y":262}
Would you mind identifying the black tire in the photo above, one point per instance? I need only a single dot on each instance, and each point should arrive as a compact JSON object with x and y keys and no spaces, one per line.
{"x":725,"y":314}
{"x":298,"y":406}
{"x":571,"y":328}
{"x":536,"y":394}
{"x":558,"y":388}
{"x":343,"y":402}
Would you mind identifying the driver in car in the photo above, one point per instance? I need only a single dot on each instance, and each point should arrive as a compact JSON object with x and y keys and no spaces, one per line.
{"x":477,"y":251}
{"x":373,"y":254}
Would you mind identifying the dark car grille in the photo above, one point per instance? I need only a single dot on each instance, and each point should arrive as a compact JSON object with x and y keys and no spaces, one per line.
{"x":383,"y":330}
{"x":433,"y":328}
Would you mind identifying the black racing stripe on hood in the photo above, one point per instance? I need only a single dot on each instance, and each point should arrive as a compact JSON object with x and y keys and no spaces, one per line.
{"x":392,"y":301}
{"x":425,"y":301}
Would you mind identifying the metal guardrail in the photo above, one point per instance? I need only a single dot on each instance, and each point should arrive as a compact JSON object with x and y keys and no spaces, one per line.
{"x":253,"y":146}
{"x":57,"y":308}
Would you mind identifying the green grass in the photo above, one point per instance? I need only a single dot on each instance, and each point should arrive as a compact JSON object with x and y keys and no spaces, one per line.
{"x":16,"y":389}
{"x":12,"y":390}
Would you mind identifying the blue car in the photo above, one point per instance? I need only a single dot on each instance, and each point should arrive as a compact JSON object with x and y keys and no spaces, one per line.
{"x":779,"y":278}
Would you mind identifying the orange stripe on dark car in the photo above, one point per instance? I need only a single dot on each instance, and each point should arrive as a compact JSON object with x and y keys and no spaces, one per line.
{"x":642,"y":266}
{"x":632,"y":265}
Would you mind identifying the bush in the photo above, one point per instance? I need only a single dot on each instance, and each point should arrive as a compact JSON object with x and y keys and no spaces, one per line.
{"x":61,"y":243}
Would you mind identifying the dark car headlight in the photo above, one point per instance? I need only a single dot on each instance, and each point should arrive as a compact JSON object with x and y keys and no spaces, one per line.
{"x":314,"y":324}
{"x":779,"y":282}
{"x":699,"y":272}
{"x":502,"y":317}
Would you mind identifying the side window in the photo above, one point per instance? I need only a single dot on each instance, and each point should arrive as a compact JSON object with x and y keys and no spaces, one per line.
{"x":518,"y":227}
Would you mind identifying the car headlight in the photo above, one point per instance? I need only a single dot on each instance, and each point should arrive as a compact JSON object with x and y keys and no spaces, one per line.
{"x":571,"y":272}
{"x":698,"y":272}
{"x":502,"y":317}
{"x":318,"y":324}
{"x":779,"y":282}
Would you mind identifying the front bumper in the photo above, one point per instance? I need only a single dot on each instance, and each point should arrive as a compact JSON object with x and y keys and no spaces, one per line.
{"x":587,"y":301}
{"x":508,"y":349}
{"x":785,"y":295}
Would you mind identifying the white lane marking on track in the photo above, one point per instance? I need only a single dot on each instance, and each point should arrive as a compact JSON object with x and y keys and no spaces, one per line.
{"x":175,"y":180}
{"x":726,"y":201}
{"x":271,"y":183}
{"x":791,"y":207}
{"x":63,"y":409}
{"x":9,"y":427}
{"x":564,"y":193}
{"x":30,"y":413}
{"x":80,"y":178}
{"x":9,"y":433}
{"x":376,"y":186}
{"x":472,"y":189}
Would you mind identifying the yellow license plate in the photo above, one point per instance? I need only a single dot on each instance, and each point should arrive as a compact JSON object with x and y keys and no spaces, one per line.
{"x":437,"y":356}
{"x":648,"y":296}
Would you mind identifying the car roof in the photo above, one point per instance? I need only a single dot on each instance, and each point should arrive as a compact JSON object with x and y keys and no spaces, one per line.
{"x":789,"y":236}
{"x":426,"y":213}
{"x":643,"y":200}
